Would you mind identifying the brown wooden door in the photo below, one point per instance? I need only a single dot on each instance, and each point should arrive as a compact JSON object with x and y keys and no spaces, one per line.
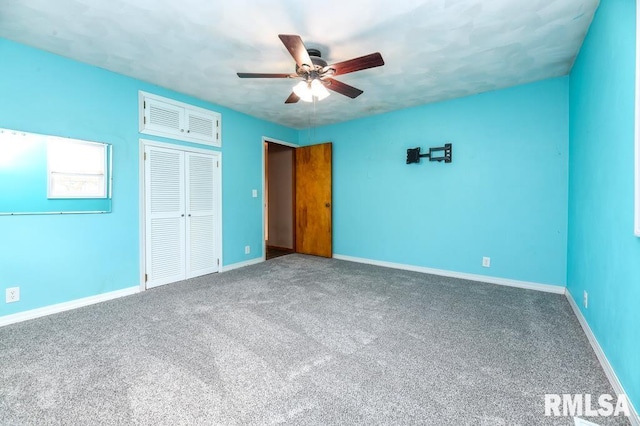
{"x":313,"y":200}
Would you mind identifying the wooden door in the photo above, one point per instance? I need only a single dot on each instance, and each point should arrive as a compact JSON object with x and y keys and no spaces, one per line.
{"x":313,"y":200}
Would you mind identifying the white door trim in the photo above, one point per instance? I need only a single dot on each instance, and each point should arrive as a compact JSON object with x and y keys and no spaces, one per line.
{"x":141,"y":198}
{"x":266,"y":139}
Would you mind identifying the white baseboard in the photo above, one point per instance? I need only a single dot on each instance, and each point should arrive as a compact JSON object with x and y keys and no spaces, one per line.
{"x":238,"y":265}
{"x":604,"y":361}
{"x":472,"y":277}
{"x":66,"y":306}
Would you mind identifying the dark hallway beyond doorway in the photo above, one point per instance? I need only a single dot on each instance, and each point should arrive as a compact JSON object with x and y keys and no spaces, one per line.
{"x":273,"y":252}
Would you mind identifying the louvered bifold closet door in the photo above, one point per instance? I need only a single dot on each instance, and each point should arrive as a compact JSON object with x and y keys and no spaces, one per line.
{"x":201,"y":207}
{"x":165,"y":216}
{"x":201,"y":126}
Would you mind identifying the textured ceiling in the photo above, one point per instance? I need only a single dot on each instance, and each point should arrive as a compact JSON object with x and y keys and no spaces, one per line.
{"x":433,"y":49}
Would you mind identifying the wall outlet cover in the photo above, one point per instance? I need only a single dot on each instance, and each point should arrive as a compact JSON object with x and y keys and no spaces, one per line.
{"x":247,"y":249}
{"x":486,"y":262}
{"x":12,"y":294}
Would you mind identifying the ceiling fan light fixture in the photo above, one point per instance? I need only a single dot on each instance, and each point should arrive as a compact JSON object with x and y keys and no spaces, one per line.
{"x":318,"y":90}
{"x":303,"y":90}
{"x":306,"y":91}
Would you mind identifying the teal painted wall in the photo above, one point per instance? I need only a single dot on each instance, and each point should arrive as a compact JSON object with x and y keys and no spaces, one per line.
{"x":503,"y":196}
{"x":56,"y":259}
{"x":603,"y":253}
{"x":506,"y":195}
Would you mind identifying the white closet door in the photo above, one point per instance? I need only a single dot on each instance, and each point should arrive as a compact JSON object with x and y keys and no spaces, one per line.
{"x":201,"y":207}
{"x":165,"y":216}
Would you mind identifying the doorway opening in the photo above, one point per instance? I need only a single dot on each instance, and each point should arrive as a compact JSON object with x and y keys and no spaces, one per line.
{"x":297,"y":208}
{"x":279,"y":199}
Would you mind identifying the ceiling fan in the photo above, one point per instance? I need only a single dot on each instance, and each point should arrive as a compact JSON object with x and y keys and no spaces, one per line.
{"x":316,"y":76}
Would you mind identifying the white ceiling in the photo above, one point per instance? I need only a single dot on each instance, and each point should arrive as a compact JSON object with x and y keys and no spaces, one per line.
{"x":433,"y":49}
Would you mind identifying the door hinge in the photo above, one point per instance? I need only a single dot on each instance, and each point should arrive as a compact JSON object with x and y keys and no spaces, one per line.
{"x":217,"y":165}
{"x":218,"y":262}
{"x":146,"y":278}
{"x":145,"y":156}
{"x":217,"y":124}
{"x":144,"y":104}
{"x":144,"y":119}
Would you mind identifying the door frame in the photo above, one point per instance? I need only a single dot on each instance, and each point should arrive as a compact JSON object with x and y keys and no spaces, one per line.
{"x":143,"y":143}
{"x":266,"y":139}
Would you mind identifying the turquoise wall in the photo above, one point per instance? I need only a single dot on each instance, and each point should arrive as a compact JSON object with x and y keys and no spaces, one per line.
{"x":603,"y":253}
{"x":506,"y":195}
{"x":503,"y":196}
{"x":56,"y":259}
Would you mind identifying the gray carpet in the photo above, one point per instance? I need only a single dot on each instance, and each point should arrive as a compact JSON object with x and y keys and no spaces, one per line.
{"x":301,"y":340}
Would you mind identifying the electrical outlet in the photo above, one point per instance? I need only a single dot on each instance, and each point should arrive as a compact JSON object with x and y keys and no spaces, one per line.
{"x":12,"y":294}
{"x":254,"y":193}
{"x":486,"y":262}
{"x":585,"y":299}
{"x":247,"y":249}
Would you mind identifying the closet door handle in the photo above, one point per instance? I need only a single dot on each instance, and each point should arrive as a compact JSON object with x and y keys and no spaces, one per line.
{"x":182,"y":215}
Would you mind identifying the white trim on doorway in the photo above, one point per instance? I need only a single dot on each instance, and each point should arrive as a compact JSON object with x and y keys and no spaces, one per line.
{"x":266,"y":139}
{"x":141,"y":198}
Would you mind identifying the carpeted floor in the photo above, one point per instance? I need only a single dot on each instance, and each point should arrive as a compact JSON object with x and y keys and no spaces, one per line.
{"x":301,"y":340}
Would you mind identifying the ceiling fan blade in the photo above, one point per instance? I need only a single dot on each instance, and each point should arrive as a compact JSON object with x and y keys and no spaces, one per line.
{"x":343,"y":89}
{"x":262,"y":75}
{"x":292,"y":99}
{"x":362,"y":63}
{"x":296,"y":48}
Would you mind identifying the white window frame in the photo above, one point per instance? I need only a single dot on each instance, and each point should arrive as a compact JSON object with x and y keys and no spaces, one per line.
{"x":53,"y":170}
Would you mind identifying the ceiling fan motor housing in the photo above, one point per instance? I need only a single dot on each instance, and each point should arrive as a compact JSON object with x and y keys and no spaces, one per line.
{"x":318,"y":64}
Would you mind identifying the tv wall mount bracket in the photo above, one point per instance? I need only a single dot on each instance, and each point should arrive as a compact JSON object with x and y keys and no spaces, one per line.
{"x":441,"y":153}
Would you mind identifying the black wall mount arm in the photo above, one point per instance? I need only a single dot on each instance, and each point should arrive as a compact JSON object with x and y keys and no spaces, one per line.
{"x":441,"y":153}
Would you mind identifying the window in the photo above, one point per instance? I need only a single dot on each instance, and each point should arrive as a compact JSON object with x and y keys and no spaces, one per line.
{"x":76,"y":169}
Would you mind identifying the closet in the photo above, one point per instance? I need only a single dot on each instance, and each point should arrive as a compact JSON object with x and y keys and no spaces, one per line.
{"x":182,"y":220}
